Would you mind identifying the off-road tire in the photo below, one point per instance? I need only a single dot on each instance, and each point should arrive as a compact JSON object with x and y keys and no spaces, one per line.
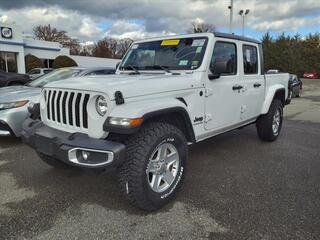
{"x":133,"y":173}
{"x":264,"y":122}
{"x":53,"y":162}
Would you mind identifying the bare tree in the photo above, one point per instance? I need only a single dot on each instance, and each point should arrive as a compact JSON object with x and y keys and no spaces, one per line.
{"x":105,"y":48}
{"x":52,"y":34}
{"x":123,"y":46}
{"x":87,"y":50}
{"x":111,"y":48}
{"x":199,"y":27}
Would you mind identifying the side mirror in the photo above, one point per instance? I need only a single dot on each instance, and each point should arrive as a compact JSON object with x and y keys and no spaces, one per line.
{"x":213,"y":76}
{"x":117,"y":65}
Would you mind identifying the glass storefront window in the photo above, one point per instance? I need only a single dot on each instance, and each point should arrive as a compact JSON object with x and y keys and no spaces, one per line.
{"x":8,"y":62}
{"x":2,"y":63}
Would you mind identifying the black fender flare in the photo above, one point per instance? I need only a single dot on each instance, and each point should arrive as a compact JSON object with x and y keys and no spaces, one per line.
{"x":151,"y":115}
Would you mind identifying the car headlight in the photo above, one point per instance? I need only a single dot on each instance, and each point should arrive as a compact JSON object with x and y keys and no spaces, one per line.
{"x":101,"y":105}
{"x":9,"y":105}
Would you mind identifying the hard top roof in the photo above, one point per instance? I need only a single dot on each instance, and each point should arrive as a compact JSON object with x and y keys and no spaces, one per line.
{"x":236,"y":37}
{"x":216,"y":34}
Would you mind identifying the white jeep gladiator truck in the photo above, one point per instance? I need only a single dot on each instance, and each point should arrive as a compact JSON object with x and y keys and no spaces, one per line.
{"x":168,"y":92}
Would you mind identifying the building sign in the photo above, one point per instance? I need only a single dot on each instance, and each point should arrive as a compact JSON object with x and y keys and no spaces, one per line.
{"x":6,"y":32}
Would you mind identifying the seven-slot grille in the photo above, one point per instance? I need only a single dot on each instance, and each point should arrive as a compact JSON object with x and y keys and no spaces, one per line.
{"x":67,"y":107}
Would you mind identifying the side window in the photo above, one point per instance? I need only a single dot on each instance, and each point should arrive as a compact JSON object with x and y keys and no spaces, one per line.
{"x":100,"y":72}
{"x":224,"y":59}
{"x":108,"y":72}
{"x":250,"y":59}
{"x":34,"y":71}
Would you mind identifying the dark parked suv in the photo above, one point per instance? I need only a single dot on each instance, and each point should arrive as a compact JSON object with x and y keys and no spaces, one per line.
{"x":9,"y":79}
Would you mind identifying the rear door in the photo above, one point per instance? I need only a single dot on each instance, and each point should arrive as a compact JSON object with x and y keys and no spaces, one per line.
{"x":222,"y":102}
{"x":253,"y":81}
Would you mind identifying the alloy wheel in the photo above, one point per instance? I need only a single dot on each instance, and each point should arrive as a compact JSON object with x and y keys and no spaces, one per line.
{"x":163,"y":167}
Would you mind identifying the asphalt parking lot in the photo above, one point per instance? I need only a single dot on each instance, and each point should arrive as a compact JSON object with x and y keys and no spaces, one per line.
{"x":236,"y":187}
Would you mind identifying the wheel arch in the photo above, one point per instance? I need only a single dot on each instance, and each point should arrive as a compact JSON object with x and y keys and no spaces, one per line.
{"x":172,"y":111}
{"x":176,"y":116}
{"x":276,"y":92}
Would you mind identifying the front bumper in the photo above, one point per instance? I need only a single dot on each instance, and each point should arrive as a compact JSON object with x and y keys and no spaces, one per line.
{"x":11,"y":121}
{"x":5,"y":129}
{"x":75,"y":149}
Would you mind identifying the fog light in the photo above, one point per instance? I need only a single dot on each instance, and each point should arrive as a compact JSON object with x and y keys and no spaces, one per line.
{"x":90,"y":157}
{"x":85,"y":154}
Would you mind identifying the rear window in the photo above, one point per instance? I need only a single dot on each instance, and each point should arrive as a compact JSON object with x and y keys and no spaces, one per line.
{"x":250,"y":59}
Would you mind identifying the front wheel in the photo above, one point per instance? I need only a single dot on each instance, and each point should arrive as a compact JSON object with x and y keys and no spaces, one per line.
{"x":269,"y":125}
{"x":155,"y":165}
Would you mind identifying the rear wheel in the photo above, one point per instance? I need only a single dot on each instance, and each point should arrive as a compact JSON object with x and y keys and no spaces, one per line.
{"x":299,"y":94}
{"x":290,"y":96}
{"x":155,"y":165}
{"x":269,"y":125}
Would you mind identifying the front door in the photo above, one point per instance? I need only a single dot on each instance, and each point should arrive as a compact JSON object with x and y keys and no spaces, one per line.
{"x":223,"y":94}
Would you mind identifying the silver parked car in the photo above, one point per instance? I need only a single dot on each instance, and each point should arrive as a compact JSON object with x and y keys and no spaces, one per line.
{"x":38,"y":72}
{"x":14,"y":100}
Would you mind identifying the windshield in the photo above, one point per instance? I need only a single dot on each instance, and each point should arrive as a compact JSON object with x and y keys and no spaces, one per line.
{"x":170,"y":54}
{"x":55,"y":75}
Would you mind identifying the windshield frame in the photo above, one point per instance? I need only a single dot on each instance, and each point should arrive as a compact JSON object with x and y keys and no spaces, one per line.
{"x":122,"y":68}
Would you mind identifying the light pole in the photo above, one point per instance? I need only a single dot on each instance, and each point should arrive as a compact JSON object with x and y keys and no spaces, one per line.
{"x":231,"y":15}
{"x":243,"y":14}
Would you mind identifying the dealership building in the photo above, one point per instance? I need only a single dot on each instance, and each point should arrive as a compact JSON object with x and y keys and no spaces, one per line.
{"x":14,"y":46}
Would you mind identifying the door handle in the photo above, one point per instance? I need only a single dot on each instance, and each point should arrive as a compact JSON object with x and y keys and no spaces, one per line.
{"x":256,"y":85}
{"x":237,"y":87}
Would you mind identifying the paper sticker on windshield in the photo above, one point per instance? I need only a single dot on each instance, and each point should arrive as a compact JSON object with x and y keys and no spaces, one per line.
{"x":199,"y":49}
{"x":170,"y":42}
{"x":195,"y":63}
{"x":248,"y":55}
{"x":198,"y":42}
{"x":135,"y":46}
{"x":183,"y":62}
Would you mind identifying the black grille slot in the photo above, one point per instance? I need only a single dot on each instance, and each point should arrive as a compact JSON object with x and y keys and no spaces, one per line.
{"x":64,"y":110}
{"x":77,"y":109}
{"x":70,"y":108}
{"x":53,"y":105}
{"x":58,"y":106}
{"x":48,"y":104}
{"x":85,"y":112}
{"x":66,"y":107}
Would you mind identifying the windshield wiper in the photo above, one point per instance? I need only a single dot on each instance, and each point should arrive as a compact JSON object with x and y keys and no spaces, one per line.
{"x":132,"y":68}
{"x":164,"y":68}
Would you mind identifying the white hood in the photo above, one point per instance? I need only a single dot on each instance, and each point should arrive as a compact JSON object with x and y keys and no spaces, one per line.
{"x":129,"y":85}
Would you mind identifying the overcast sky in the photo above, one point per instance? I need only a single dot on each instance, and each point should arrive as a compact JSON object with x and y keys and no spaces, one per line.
{"x":90,"y":20}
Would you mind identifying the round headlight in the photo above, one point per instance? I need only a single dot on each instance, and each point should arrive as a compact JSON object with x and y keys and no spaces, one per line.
{"x":101,"y":105}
